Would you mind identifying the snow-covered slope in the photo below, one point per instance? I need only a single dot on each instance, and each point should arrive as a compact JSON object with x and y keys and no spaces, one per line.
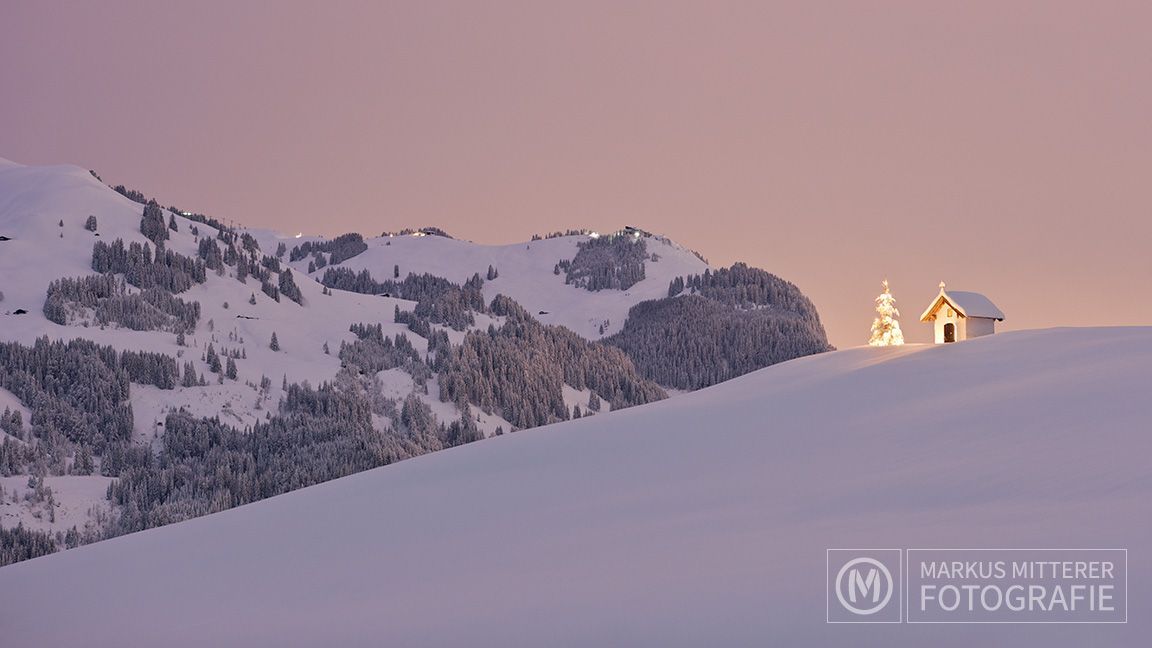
{"x":700,"y":520}
{"x":34,"y":200}
{"x":43,"y":211}
{"x":525,"y":274}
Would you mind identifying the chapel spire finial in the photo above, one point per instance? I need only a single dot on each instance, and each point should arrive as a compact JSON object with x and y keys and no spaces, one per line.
{"x":941,"y":285}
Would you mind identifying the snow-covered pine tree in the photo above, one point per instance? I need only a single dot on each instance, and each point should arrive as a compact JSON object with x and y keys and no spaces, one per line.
{"x":212,"y":359}
{"x":885,"y":328}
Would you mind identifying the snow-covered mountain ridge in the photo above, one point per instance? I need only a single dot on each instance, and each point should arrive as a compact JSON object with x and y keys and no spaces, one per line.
{"x":698,"y":520}
{"x":228,"y":321}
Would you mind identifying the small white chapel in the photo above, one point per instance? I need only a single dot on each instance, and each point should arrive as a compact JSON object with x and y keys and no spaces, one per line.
{"x":958,"y":315}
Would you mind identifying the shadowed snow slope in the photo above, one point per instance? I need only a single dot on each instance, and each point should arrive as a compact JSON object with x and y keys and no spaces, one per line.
{"x":701,"y":520}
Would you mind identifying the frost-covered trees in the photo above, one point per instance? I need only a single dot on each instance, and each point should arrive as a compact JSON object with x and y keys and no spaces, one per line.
{"x":373,"y":352}
{"x":743,"y":286}
{"x":268,"y":289}
{"x":18,"y":544}
{"x":461,"y":431}
{"x":692,"y":342}
{"x":361,"y":282}
{"x":152,"y":224}
{"x":90,"y":224}
{"x":213,"y":359}
{"x":270,"y":263}
{"x":275,"y":343}
{"x":340,"y":249}
{"x":608,"y":262}
{"x":319,"y":434}
{"x":189,"y":378}
{"x":83,"y":463}
{"x":107,"y":300}
{"x":84,"y":396}
{"x":168,"y":270}
{"x":288,"y":287}
{"x":734,"y":320}
{"x":209,"y":251}
{"x":438,"y":300}
{"x":886,"y":328}
{"x":520,"y":368}
{"x":12,"y":422}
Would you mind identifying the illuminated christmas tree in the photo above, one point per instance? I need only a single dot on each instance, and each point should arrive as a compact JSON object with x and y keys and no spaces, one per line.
{"x":885,"y":328}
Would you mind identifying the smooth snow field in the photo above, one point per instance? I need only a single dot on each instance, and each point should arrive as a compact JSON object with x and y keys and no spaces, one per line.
{"x":702,"y":520}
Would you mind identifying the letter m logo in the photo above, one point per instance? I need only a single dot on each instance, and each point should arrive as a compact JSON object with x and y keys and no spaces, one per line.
{"x":864,"y":584}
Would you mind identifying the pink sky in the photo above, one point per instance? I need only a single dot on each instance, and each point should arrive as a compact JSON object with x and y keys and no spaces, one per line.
{"x":1003,"y":147}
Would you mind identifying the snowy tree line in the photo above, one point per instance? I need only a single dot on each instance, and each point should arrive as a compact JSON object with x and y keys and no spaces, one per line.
{"x":249,"y":262}
{"x":12,"y":422}
{"x":318,"y":262}
{"x":559,"y":234}
{"x":153,"y":226}
{"x":130,"y":194}
{"x":437,"y":299}
{"x":139,"y":197}
{"x":339,"y":249}
{"x":742,"y":286}
{"x":374,"y":352}
{"x":288,"y":287}
{"x":167,"y":269}
{"x":78,"y":389}
{"x":519,"y":369}
{"x":408,"y":231}
{"x":608,"y":262}
{"x":15,"y":457}
{"x":18,"y":544}
{"x":689,"y":342}
{"x":360,"y":282}
{"x":152,"y":309}
{"x":319,"y":434}
{"x":446,"y":303}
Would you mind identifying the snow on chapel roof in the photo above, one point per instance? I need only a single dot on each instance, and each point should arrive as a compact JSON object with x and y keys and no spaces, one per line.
{"x":969,"y":304}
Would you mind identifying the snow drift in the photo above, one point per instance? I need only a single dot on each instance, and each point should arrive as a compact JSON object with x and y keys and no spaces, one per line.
{"x":701,"y":520}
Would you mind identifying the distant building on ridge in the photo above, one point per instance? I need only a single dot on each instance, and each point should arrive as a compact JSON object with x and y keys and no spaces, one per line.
{"x":958,"y":315}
